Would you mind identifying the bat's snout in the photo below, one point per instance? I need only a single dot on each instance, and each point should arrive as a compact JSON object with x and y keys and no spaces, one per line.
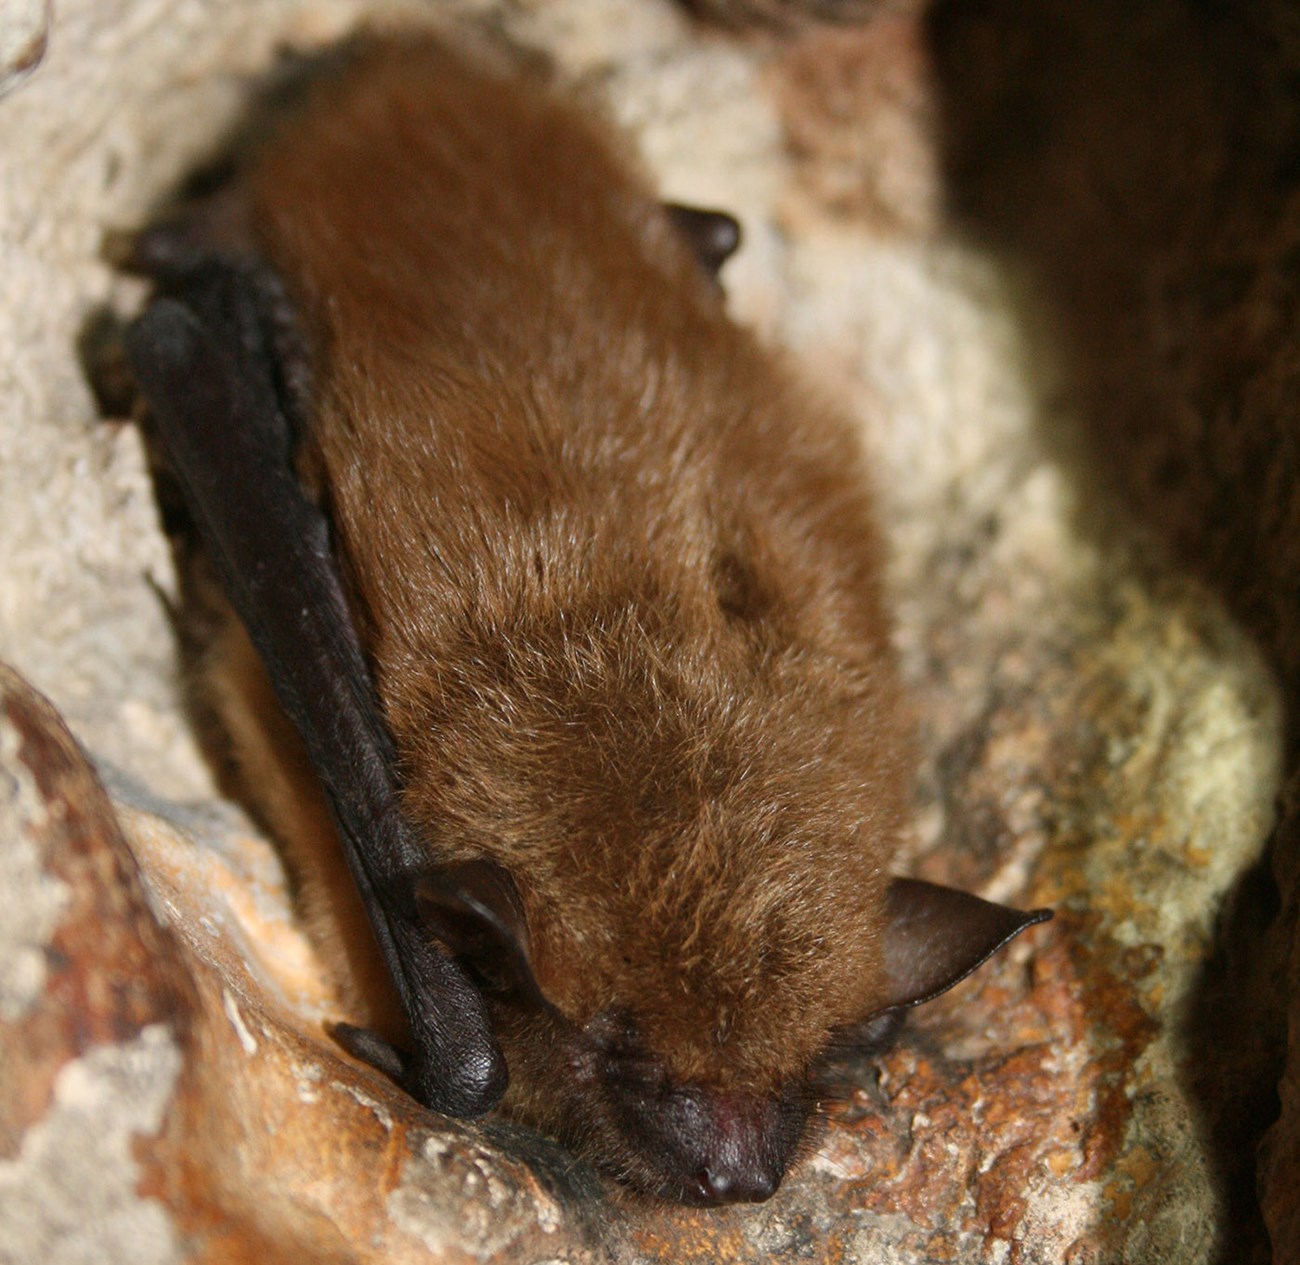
{"x":715,"y":1146}
{"x":723,"y":1183}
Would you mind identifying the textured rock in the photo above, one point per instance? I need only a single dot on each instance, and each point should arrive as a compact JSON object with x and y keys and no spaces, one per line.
{"x":92,"y":1021}
{"x":1279,"y":1168}
{"x":1144,"y":174}
{"x":170,"y":1095}
{"x":1097,"y":732}
{"x":24,"y":32}
{"x":859,"y":117}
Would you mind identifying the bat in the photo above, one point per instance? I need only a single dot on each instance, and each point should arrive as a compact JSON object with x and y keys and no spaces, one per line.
{"x":572,"y":594}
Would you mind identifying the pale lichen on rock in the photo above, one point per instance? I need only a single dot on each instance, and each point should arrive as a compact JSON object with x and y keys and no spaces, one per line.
{"x":31,"y":900}
{"x":71,"y":1194}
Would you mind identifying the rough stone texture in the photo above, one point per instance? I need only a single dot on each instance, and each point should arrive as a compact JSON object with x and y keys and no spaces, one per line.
{"x":1144,"y":173}
{"x":1098,"y":732}
{"x":24,"y":32}
{"x":90,"y":1031}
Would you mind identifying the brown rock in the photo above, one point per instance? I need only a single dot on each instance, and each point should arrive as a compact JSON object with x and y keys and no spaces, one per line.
{"x":165,"y":1100}
{"x":858,"y":110}
{"x":1279,"y":1160}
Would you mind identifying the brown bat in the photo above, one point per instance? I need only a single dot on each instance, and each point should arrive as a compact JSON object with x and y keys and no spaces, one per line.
{"x":573,"y":594}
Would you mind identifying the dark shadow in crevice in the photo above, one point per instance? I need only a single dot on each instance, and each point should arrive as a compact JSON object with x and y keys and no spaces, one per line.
{"x":1141,"y":164}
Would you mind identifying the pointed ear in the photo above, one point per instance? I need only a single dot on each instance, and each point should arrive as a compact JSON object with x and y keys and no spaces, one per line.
{"x":473,"y":907}
{"x":936,"y":936}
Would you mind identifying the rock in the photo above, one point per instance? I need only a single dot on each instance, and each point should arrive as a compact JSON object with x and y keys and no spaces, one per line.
{"x":169,"y":1092}
{"x":94,"y":1012}
{"x":24,"y":35}
{"x":1144,"y":176}
{"x":859,"y":113}
{"x":787,"y":15}
{"x":1279,"y":1161}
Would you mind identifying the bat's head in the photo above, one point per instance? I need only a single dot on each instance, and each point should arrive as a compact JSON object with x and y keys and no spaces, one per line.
{"x":676,"y":918}
{"x":709,"y":1113}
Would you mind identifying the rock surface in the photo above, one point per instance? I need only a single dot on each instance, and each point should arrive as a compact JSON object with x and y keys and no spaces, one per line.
{"x":1145,"y":174}
{"x":1099,"y":731}
{"x":24,"y":32}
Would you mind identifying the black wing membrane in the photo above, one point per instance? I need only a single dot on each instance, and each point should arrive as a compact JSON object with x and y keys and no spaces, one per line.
{"x":204,"y":357}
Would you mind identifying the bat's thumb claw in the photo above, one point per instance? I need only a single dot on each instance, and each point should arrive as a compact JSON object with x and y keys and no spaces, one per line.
{"x":367,"y":1046}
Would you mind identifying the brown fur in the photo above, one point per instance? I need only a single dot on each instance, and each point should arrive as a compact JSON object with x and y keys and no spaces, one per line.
{"x":614,"y":570}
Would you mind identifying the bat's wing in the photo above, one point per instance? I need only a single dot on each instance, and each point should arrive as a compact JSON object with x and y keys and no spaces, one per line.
{"x":205,"y":358}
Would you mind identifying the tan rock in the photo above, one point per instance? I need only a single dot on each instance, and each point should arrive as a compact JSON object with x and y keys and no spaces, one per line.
{"x":24,"y":33}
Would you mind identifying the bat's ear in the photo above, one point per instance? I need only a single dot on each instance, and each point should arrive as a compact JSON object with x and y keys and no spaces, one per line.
{"x":473,"y":907}
{"x":936,"y":936}
{"x":713,"y":235}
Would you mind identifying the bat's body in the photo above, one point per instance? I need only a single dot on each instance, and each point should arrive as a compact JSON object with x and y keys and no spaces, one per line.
{"x":616,"y":589}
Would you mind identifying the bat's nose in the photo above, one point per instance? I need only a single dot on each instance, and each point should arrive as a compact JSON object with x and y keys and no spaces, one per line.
{"x":737,"y":1143}
{"x":709,"y":1144}
{"x":722,"y":1183}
